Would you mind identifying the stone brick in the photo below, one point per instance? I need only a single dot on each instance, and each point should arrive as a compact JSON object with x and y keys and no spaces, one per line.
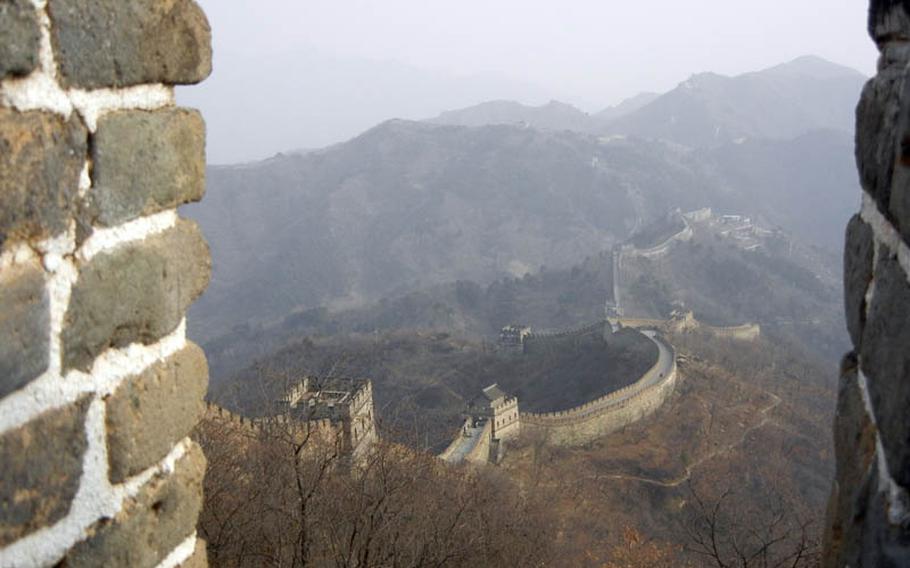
{"x":877,"y":117}
{"x":145,"y":162}
{"x":151,"y":524}
{"x":854,"y":444}
{"x":138,"y":292}
{"x":41,"y":158}
{"x":24,"y":326}
{"x":888,"y":20}
{"x":40,"y":472}
{"x":19,"y":38}
{"x":118,"y":43}
{"x":153,"y":411}
{"x":899,"y":198}
{"x":886,"y":361}
{"x":874,"y":541}
{"x":858,"y":258}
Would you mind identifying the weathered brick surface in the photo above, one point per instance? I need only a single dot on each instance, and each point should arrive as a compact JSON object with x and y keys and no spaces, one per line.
{"x":886,"y":361}
{"x":40,"y":467}
{"x":145,"y":162}
{"x":24,"y":326}
{"x":41,"y":158}
{"x":153,"y":411}
{"x":150,"y":525}
{"x":118,"y":43}
{"x":19,"y":38}
{"x":854,"y":435}
{"x":865,"y":525}
{"x":899,"y":200}
{"x":873,"y":540}
{"x":858,"y":258}
{"x":136,"y":293}
{"x":876,"y":117}
{"x":888,"y":19}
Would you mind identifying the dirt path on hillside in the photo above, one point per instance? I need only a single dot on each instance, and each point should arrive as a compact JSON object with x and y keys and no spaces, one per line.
{"x":676,"y":482}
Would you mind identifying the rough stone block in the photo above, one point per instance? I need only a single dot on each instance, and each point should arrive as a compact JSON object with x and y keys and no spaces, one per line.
{"x":151,"y":524}
{"x":858,"y":258}
{"x":874,"y":540}
{"x":153,"y":411}
{"x":899,"y":198}
{"x":145,"y":162}
{"x":24,"y":326}
{"x":888,"y":20}
{"x":118,"y":43}
{"x":886,"y":361}
{"x":854,"y":436}
{"x":877,"y":118}
{"x":41,"y":158}
{"x":41,"y":468}
{"x":138,"y":292}
{"x":19,"y":38}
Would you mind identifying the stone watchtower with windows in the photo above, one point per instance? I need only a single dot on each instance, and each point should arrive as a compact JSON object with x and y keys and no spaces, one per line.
{"x":500,"y":409}
{"x":512,"y":338}
{"x":340,"y":405}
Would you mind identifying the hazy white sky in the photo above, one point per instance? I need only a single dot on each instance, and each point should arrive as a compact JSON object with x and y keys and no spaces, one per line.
{"x":307,"y":73}
{"x":594,"y":51}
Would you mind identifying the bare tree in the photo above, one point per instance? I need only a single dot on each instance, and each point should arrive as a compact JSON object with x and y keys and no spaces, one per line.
{"x":279,"y":494}
{"x":768,"y":536}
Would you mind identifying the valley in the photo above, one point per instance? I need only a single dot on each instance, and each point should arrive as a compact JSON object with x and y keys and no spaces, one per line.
{"x":399,"y":256}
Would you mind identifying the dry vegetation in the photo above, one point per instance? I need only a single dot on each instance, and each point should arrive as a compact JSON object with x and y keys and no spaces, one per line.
{"x":274,"y":497}
{"x":733,"y":471}
{"x":747,"y":428}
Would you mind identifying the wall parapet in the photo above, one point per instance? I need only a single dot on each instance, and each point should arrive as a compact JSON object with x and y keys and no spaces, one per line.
{"x":869,"y":508}
{"x":99,"y":386}
{"x":611,"y":412}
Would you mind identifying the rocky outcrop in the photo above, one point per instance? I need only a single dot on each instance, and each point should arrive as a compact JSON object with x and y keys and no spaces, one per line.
{"x":869,"y":512}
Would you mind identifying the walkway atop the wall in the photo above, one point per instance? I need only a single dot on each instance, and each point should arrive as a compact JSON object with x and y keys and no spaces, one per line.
{"x":661,"y":369}
{"x":465,"y":444}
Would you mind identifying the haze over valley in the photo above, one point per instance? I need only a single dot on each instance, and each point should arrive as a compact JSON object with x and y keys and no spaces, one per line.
{"x":400,"y":254}
{"x":503,"y":189}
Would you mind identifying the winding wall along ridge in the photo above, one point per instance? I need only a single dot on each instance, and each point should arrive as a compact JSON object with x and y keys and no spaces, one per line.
{"x":611,"y":412}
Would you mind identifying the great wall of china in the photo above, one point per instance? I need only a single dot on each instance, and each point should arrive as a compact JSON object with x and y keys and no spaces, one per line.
{"x":478,"y":440}
{"x":611,"y":412}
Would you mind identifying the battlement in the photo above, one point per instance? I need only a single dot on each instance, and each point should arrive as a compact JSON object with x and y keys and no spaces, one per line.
{"x":336,"y":408}
{"x":685,"y":321}
{"x":513,"y":337}
{"x":332,"y":398}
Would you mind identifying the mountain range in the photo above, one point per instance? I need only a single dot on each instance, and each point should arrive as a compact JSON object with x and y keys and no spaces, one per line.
{"x":706,"y":110}
{"x":500,"y":189}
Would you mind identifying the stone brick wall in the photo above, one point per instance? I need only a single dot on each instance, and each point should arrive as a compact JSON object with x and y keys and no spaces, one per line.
{"x":869,"y":511}
{"x":99,"y":387}
{"x":583,"y":424}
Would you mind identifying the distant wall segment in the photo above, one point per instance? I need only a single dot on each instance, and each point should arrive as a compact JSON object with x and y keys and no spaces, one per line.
{"x":99,"y":387}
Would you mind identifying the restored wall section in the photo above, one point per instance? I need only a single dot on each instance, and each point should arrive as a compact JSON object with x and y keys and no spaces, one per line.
{"x":480,"y":454}
{"x":869,"y":510}
{"x":584,"y":424}
{"x":99,"y":387}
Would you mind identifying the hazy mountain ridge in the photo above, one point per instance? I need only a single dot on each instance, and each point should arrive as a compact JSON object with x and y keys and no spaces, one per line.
{"x":706,"y":110}
{"x":782,"y":102}
{"x":626,"y":106}
{"x":408,"y":204}
{"x":552,"y":116}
